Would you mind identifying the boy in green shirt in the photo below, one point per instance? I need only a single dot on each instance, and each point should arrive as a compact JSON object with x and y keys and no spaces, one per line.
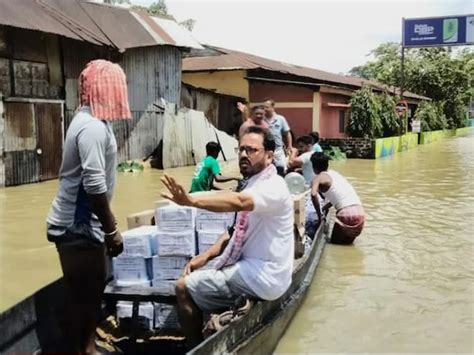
{"x":208,"y":170}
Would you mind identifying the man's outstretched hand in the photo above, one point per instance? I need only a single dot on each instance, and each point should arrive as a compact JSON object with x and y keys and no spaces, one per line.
{"x":241,"y":107}
{"x":176,"y":193}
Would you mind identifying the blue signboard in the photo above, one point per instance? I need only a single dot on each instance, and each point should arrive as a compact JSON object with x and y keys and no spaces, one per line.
{"x":438,"y":31}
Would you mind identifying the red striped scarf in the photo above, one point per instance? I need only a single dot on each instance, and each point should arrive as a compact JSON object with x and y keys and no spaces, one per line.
{"x":103,"y":87}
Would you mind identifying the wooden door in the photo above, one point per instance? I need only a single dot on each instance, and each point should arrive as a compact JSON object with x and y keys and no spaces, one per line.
{"x":49,"y":139}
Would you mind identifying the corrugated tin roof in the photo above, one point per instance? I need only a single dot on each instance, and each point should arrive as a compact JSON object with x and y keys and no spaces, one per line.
{"x":227,"y":59}
{"x":95,"y":23}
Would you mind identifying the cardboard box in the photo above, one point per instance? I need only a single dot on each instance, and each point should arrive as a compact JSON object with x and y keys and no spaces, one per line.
{"x":166,"y":316}
{"x":130,"y":269}
{"x":146,"y":314}
{"x":175,"y":218}
{"x":140,"y":219}
{"x":219,"y":226}
{"x":167,"y":274}
{"x":202,"y":247}
{"x":208,"y":237}
{"x":125,"y":283}
{"x":181,"y":243}
{"x":208,"y":215}
{"x":169,"y":262}
{"x":164,"y":287}
{"x":177,"y":250}
{"x":140,"y":241}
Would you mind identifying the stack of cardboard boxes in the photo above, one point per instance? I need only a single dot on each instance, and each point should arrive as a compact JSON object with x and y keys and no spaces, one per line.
{"x":210,"y":226}
{"x":155,"y":255}
{"x":133,"y":265}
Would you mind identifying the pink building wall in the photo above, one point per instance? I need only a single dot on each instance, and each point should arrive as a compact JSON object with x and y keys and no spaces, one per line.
{"x":292,"y":102}
{"x":329,"y":116}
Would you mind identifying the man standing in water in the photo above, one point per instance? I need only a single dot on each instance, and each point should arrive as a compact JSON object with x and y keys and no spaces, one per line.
{"x":258,"y":260}
{"x":257,"y":114}
{"x":339,"y":193}
{"x":208,"y":170}
{"x":280,"y":130}
{"x":80,"y":221}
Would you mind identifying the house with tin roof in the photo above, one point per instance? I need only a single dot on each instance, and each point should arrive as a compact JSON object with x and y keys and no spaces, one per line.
{"x":44,"y":45}
{"x":310,"y":99}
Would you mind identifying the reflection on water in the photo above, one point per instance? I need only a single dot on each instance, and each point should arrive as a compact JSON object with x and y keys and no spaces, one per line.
{"x":27,"y":260}
{"x":405,"y":286}
{"x":407,"y":283}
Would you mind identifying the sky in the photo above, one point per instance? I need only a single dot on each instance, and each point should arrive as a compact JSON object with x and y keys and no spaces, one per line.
{"x":328,"y":35}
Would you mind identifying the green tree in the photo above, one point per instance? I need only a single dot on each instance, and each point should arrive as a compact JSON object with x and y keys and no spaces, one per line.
{"x":438,"y":73}
{"x":388,"y":118}
{"x":431,"y":116}
{"x":188,"y":24}
{"x":386,"y":66}
{"x":159,"y":8}
{"x":364,"y":118}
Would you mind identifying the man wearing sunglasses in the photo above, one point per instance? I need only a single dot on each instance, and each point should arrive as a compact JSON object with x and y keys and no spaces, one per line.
{"x":257,"y":261}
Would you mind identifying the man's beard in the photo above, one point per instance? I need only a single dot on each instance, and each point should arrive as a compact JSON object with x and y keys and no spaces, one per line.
{"x":251,"y":169}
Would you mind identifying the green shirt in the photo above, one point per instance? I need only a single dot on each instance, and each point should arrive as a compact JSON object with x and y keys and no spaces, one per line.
{"x":204,"y":174}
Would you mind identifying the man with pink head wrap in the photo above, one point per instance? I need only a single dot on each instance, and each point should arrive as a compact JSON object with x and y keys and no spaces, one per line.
{"x":80,"y":221}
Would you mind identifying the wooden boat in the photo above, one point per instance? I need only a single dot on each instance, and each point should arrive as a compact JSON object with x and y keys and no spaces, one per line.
{"x":34,"y":323}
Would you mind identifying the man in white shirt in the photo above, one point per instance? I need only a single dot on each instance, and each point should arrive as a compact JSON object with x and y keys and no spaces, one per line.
{"x":280,"y":130}
{"x":301,"y":157}
{"x":258,"y":260}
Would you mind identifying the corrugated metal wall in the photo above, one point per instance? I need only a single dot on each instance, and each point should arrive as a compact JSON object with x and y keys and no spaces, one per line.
{"x":200,"y":100}
{"x":220,"y":110}
{"x":21,"y":163}
{"x":152,"y":73}
{"x":29,"y":126}
{"x":186,"y":134}
{"x":139,"y":137}
{"x":177,"y":141}
{"x":32,"y":82}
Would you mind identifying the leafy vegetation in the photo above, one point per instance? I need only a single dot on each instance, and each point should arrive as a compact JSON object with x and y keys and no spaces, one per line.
{"x":364,"y":120}
{"x":444,"y":75}
{"x":388,"y":117}
{"x":335,"y":153}
{"x":131,"y":167}
{"x":157,"y":8}
{"x":431,"y":116}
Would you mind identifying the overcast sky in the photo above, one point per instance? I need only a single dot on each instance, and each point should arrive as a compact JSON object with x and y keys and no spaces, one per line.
{"x":328,"y":35}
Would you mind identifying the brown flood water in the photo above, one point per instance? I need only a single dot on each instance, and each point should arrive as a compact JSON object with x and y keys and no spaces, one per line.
{"x":405,"y":286}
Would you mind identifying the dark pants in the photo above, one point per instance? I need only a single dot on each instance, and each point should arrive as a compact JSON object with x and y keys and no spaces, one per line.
{"x":84,"y":264}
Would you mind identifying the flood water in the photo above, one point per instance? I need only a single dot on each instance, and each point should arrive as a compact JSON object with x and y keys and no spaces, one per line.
{"x":407,"y":283}
{"x":405,"y":286}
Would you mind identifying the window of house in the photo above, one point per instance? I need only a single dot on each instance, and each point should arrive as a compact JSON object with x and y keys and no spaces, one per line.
{"x":342,"y":121}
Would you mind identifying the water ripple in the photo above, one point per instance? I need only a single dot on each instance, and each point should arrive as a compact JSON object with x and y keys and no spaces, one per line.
{"x":407,"y":284}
